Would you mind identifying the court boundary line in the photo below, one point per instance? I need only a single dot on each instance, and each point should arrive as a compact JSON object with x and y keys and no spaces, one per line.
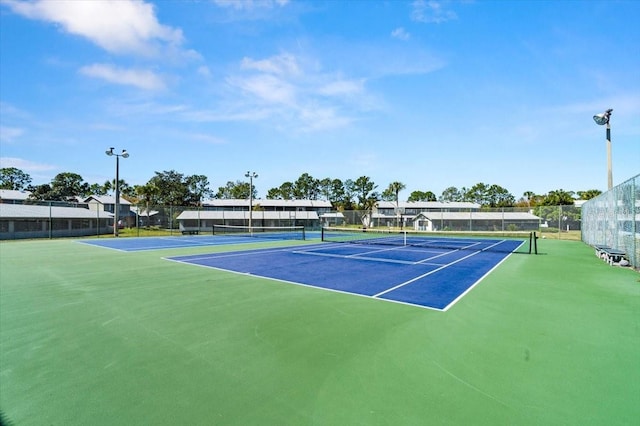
{"x":205,"y":256}
{"x":189,"y":242}
{"x":382,"y":293}
{"x":377,"y":296}
{"x":355,"y":257}
{"x":461,"y":295}
{"x":279,"y":280}
{"x":101,"y":246}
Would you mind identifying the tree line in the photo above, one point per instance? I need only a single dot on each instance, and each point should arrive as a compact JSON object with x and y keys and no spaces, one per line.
{"x":178,"y":189}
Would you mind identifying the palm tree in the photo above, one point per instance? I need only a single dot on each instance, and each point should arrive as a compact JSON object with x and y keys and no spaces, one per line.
{"x":147,"y":196}
{"x":528,"y":195}
{"x":395,"y":188}
{"x":559,"y":197}
{"x":589,"y":194}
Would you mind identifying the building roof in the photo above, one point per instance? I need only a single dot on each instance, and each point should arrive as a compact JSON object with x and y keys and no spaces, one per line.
{"x":428,"y":205}
{"x":26,"y":211}
{"x":478,"y":215}
{"x":143,"y":211}
{"x":268,"y":203}
{"x":244,"y":215}
{"x":10,"y":194}
{"x":106,"y":199}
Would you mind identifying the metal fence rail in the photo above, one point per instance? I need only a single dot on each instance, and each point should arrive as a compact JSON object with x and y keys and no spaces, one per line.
{"x":613,"y":220}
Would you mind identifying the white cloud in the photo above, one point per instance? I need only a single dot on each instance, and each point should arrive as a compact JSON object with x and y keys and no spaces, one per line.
{"x":208,"y":139}
{"x":10,"y":134}
{"x":314,"y":119}
{"x":24,"y":165}
{"x":250,"y":4}
{"x":342,"y":87}
{"x":283,"y":64}
{"x":626,"y":104}
{"x":291,"y":90}
{"x":266,"y":87}
{"x":143,"y":79}
{"x":400,"y":33}
{"x":204,"y":71}
{"x":431,"y":12}
{"x":123,"y":27}
{"x":242,"y":114}
{"x":9,"y":110}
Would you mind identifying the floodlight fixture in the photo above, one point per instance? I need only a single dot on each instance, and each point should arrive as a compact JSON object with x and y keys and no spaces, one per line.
{"x":123,"y":154}
{"x":251,"y":176}
{"x":603,"y":119}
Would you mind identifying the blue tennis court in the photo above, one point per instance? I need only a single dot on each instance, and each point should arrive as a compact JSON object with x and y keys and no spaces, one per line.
{"x":426,"y":277}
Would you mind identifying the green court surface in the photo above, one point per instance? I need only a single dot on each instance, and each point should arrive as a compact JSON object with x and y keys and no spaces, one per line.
{"x":91,"y":336}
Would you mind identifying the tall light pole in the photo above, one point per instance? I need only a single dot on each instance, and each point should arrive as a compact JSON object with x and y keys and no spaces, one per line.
{"x":603,"y":119}
{"x":250,"y":175}
{"x":123,"y":154}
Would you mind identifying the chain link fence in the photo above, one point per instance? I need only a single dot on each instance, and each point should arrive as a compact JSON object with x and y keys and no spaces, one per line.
{"x":613,"y":220}
{"x":560,"y":222}
{"x":610,"y":219}
{"x":62,"y":219}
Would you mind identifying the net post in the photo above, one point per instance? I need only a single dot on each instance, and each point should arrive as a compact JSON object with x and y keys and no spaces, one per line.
{"x":304,"y":235}
{"x":535,"y":243}
{"x":322,"y":234}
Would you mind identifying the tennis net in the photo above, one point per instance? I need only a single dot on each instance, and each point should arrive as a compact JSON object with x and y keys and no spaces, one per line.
{"x":507,"y":242}
{"x":276,"y":232}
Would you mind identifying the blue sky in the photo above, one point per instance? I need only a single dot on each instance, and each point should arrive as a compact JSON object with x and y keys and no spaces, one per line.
{"x":429,"y":93}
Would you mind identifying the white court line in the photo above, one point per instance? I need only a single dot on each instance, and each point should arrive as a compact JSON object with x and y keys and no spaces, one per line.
{"x":88,"y":243}
{"x":221,"y":255}
{"x":363,"y":256}
{"x":355,"y":257}
{"x":424,"y":275}
{"x":323,"y":246}
{"x":461,"y":295}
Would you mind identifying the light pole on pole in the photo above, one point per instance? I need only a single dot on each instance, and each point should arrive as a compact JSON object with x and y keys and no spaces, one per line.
{"x":123,"y":154}
{"x":250,"y":175}
{"x":603,"y":119}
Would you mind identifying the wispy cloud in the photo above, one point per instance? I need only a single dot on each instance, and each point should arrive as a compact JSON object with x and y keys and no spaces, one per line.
{"x":316,"y":119}
{"x":120,"y":27}
{"x":400,"y":33}
{"x":624,"y":105}
{"x":143,"y":79}
{"x":25,"y":165}
{"x":10,"y":110}
{"x":283,"y":64}
{"x":250,"y":4}
{"x":302,"y":97}
{"x":432,"y":12}
{"x":342,"y":88}
{"x":297,"y":92}
{"x":236,"y":113}
{"x":204,"y":71}
{"x":10,"y":134}
{"x":267,"y":88}
{"x":205,"y":138}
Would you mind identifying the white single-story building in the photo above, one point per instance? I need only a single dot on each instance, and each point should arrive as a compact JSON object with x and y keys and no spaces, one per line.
{"x":476,"y":221}
{"x":18,"y":221}
{"x":203,"y":220}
